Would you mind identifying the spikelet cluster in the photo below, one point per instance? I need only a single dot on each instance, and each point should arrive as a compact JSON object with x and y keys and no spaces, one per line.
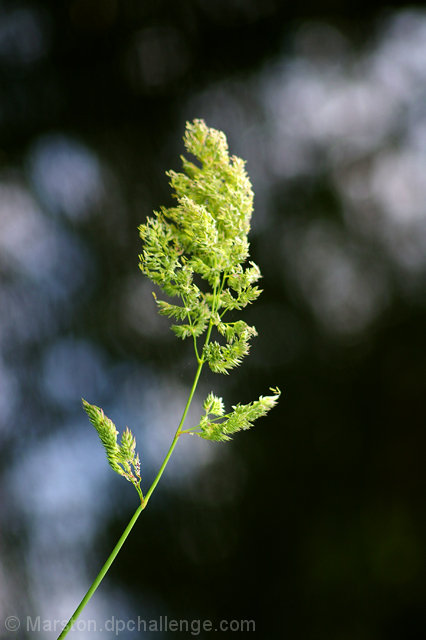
{"x":195,"y":251}
{"x":121,"y":457}
{"x":215,"y":425}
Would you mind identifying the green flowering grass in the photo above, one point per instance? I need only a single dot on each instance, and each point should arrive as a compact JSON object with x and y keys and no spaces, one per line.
{"x":197,"y":254}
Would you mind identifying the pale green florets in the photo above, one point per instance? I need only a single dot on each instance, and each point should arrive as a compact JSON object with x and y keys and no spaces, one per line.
{"x":241,"y":418}
{"x":121,"y":457}
{"x":205,"y":236}
{"x":213,"y":405}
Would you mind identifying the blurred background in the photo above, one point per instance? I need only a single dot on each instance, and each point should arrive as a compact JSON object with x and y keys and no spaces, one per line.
{"x":312,"y":524}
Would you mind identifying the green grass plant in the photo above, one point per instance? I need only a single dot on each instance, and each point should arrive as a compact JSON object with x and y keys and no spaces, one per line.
{"x":196,"y":252}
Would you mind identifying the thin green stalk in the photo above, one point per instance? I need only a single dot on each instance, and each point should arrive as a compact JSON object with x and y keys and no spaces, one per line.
{"x":140,"y":508}
{"x":97,"y":581}
{"x":177,"y":434}
{"x":182,"y":420}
